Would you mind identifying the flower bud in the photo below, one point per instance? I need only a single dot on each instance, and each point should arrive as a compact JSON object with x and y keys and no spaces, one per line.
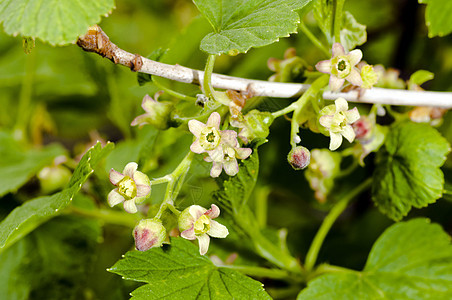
{"x":369,"y":76}
{"x":299,"y":157}
{"x":363,"y":128}
{"x":149,"y":233}
{"x":53,"y":178}
{"x":158,"y":114}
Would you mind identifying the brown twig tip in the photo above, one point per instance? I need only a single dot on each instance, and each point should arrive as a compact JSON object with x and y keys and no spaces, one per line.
{"x":95,"y":40}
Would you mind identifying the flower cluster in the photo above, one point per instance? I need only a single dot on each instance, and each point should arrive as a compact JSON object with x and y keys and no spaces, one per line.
{"x":196,"y":222}
{"x":338,"y":119}
{"x":221,"y":146}
{"x":132,"y":187}
{"x":344,"y":67}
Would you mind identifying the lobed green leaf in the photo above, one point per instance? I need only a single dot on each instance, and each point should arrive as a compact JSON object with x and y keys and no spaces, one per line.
{"x":25,"y":218}
{"x":437,"y":17}
{"x":241,"y":24}
{"x":407,"y":172}
{"x":411,"y":260}
{"x":178,"y":271}
{"x":56,"y":22}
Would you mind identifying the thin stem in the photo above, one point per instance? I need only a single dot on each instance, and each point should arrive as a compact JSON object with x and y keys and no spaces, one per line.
{"x":175,"y":181}
{"x":337,"y":21}
{"x":207,"y":83}
{"x":106,"y":215}
{"x":260,"y":272}
{"x":328,"y":222}
{"x":285,"y":110}
{"x":24,"y":108}
{"x":172,"y":92}
{"x":259,"y":87}
{"x":314,"y":39}
{"x":161,"y":180}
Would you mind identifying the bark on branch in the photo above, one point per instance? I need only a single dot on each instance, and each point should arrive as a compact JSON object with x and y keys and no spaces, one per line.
{"x":95,"y":40}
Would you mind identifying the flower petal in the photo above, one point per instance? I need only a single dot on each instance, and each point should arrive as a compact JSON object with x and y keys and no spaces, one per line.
{"x":336,"y":83}
{"x":213,"y":212}
{"x":341,"y":104}
{"x":352,"y":115}
{"x":130,"y":168}
{"x":243,"y":153}
{"x":348,"y":133}
{"x":214,"y":120}
{"x":196,"y":127}
{"x":335,"y":140}
{"x":141,"y":178}
{"x":130,"y":207}
{"x":217,"y":230}
{"x":355,"y":77}
{"x":231,"y":167}
{"x":115,"y":177}
{"x":114,"y":198}
{"x":196,"y":211}
{"x":355,"y":56}
{"x":146,"y":104}
{"x":188,"y":234}
{"x":203,"y":241}
{"x":338,"y":49}
{"x":324,"y":66}
{"x":196,"y":147}
{"x":216,"y":169}
{"x":140,"y":120}
{"x":216,"y":154}
{"x":326,"y":121}
{"x":229,"y":137}
{"x":143,"y":190}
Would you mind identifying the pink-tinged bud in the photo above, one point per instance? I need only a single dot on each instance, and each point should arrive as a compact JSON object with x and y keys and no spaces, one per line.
{"x":149,"y":233}
{"x":299,"y":157}
{"x":363,"y":128}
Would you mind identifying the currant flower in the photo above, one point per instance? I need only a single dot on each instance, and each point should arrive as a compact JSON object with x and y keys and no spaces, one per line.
{"x":132,"y":187}
{"x":149,"y":233}
{"x":196,"y":222}
{"x":341,"y":67}
{"x":337,"y":119}
{"x":157,"y":113}
{"x":299,"y":157}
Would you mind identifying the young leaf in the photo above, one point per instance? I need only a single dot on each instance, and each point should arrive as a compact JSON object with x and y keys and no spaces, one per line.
{"x":410,"y":260}
{"x":25,"y":218}
{"x":407,"y":172}
{"x":241,"y":24}
{"x":180,"y":272}
{"x":352,"y":34}
{"x":18,"y":165}
{"x":56,"y":22}
{"x":437,"y":17}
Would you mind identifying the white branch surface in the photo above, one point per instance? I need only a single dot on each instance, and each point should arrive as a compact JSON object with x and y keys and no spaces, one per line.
{"x":104,"y":47}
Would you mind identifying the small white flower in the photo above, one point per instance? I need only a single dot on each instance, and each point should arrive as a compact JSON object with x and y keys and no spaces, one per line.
{"x":196,"y":222}
{"x":341,"y":67}
{"x":132,"y":187}
{"x":339,"y":123}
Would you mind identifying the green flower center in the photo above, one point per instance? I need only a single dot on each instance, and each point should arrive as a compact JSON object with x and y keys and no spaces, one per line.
{"x":339,"y":122}
{"x":341,"y":66}
{"x":209,"y":138}
{"x":202,"y":225}
{"x":228,"y":154}
{"x":127,"y":188}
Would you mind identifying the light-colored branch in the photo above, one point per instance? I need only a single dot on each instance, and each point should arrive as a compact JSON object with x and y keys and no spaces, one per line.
{"x":97,"y":41}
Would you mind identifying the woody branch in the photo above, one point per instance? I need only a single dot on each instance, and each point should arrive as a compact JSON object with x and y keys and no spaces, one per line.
{"x":95,"y":40}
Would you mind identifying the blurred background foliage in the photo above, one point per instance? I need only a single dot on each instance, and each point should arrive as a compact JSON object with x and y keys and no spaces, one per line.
{"x":64,"y":95}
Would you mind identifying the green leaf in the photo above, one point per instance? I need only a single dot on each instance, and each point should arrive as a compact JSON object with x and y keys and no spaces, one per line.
{"x":25,"y":218}
{"x":411,"y":260}
{"x":56,"y":22}
{"x":180,"y":272}
{"x":51,"y":262}
{"x":437,"y":17}
{"x":18,"y":165}
{"x":407,"y":172}
{"x":421,"y":76}
{"x":352,"y":34}
{"x":241,"y":24}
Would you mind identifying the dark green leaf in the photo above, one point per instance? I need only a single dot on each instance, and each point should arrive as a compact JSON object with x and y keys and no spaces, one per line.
{"x":437,"y":17}
{"x":411,"y":260}
{"x":18,"y":165}
{"x":25,"y":218}
{"x":407,"y":172}
{"x":56,"y":22}
{"x":241,"y":24}
{"x":180,"y":272}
